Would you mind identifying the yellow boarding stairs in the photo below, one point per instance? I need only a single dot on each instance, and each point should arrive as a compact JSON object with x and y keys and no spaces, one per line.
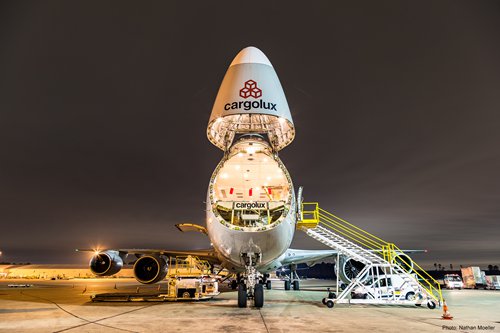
{"x":379,"y":257}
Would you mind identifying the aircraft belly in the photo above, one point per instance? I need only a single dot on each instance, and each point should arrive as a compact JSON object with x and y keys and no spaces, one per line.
{"x":230,"y":243}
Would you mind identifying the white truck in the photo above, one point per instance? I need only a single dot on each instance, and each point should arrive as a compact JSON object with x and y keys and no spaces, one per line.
{"x":453,"y":281}
{"x":388,"y":286}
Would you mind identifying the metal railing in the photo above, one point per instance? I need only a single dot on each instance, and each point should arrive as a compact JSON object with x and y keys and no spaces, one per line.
{"x":181,"y":265}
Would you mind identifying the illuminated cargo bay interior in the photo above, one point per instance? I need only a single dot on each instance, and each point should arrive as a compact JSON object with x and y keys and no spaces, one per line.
{"x":280,"y":131}
{"x":252,"y":188}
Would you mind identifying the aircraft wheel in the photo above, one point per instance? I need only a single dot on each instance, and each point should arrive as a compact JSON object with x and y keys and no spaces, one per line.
{"x":268,"y":284}
{"x":296,"y":285}
{"x":234,"y":284}
{"x":259,"y":295}
{"x":287,"y":284}
{"x":242,"y":296}
{"x":329,"y":304}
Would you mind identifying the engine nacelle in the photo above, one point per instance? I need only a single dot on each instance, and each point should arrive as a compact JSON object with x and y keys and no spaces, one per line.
{"x":349,"y":269}
{"x":404,"y":261}
{"x":150,"y":269}
{"x":106,"y":263}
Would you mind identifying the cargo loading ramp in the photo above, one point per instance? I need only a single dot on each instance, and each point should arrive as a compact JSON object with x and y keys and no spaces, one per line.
{"x":380,"y":258}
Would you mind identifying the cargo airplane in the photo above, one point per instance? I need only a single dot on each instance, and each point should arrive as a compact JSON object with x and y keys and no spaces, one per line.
{"x":251,"y":206}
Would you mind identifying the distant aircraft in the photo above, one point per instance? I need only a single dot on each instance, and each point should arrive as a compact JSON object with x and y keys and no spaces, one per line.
{"x":252,"y":209}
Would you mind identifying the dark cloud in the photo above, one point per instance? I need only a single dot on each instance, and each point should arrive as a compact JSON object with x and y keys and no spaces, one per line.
{"x":104,"y":106}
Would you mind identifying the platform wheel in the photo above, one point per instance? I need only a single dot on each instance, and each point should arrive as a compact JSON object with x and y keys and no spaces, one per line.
{"x":431,"y":305}
{"x":323,"y":301}
{"x":268,"y":285}
{"x":242,"y":296}
{"x":329,"y":304}
{"x":296,"y":285}
{"x":258,"y":295}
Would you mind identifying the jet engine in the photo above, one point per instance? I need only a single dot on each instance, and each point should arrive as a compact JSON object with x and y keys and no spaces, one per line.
{"x":404,"y":261}
{"x":150,"y":269}
{"x":350,"y":268}
{"x":106,"y":263}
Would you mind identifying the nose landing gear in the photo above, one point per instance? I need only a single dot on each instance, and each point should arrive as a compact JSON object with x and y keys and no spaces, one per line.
{"x":249,"y":285}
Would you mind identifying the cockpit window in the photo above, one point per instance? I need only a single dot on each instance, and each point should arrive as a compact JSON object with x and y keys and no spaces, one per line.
{"x":251,"y":188}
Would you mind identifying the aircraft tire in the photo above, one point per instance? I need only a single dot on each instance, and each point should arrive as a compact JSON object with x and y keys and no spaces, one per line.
{"x":296,"y":285}
{"x":268,"y":285}
{"x":234,"y":284}
{"x":242,"y":296}
{"x":259,"y":295}
{"x":287,"y":284}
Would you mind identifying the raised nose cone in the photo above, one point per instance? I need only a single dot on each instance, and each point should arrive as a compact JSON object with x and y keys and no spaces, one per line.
{"x":250,"y":100}
{"x":251,"y":55}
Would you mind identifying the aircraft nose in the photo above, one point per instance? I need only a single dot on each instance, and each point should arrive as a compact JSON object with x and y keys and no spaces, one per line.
{"x":251,"y":55}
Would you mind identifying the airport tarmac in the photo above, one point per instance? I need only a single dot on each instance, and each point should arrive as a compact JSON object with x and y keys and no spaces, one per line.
{"x":65,"y":306}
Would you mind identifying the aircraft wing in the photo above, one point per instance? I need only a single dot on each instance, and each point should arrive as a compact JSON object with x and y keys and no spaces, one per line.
{"x":312,"y":257}
{"x":206,"y":254}
{"x":309,"y":257}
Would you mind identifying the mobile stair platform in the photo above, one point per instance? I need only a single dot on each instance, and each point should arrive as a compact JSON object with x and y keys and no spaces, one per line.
{"x":380,"y":258}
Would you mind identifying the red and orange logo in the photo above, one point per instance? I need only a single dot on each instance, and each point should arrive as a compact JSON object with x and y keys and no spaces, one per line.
{"x":250,"y":89}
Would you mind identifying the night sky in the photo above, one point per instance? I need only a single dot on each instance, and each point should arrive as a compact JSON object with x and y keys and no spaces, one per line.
{"x":104,"y":107}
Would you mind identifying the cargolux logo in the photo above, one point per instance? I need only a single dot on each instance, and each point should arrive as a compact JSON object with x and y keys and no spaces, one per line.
{"x":250,"y":89}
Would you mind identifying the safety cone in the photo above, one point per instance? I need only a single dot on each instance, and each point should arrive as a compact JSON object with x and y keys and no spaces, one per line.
{"x":446,"y":315}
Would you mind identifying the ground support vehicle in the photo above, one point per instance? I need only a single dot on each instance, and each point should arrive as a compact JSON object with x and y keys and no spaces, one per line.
{"x":188,"y":279}
{"x":473,"y":277}
{"x":453,"y":281}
